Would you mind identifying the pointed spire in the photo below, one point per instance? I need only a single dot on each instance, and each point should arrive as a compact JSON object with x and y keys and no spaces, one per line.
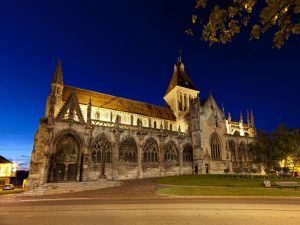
{"x":229,"y":116}
{"x":180,"y":77}
{"x":252,"y":118}
{"x":58,"y":76}
{"x":241,"y":117}
{"x":223,"y":109}
{"x":248,"y":117}
{"x":179,"y":129}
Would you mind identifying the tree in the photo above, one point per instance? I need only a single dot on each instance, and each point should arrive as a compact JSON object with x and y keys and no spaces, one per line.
{"x":281,"y":144}
{"x":265,"y":151}
{"x":228,"y":17}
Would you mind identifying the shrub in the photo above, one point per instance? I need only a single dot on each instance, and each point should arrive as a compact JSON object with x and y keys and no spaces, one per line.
{"x":226,"y":170}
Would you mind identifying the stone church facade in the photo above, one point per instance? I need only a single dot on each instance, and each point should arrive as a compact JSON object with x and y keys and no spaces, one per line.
{"x":87,"y":135}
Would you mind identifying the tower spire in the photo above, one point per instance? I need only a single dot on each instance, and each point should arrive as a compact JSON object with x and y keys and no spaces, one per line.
{"x":179,"y":59}
{"x":229,"y":116}
{"x":58,"y":75}
{"x":248,"y":117}
{"x":241,"y":117}
{"x":252,"y":118}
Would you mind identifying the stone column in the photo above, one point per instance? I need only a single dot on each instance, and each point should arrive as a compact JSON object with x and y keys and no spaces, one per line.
{"x":180,"y":152}
{"x":140,"y":159}
{"x":115,"y":155}
{"x":161,"y":156}
{"x":85,"y":163}
{"x":66,"y":172}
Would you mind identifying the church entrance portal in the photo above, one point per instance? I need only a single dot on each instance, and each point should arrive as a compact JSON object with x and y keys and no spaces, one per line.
{"x":64,"y":166}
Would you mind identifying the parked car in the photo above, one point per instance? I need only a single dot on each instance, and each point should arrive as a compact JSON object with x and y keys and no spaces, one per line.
{"x":8,"y":187}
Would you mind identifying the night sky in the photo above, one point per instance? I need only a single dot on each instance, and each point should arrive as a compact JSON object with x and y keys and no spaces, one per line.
{"x":128,"y":48}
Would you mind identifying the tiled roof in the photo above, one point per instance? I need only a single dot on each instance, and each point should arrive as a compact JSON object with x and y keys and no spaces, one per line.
{"x":4,"y":160}
{"x":120,"y":104}
{"x":180,"y":78}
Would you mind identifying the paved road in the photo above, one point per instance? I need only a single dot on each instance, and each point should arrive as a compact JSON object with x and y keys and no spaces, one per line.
{"x":178,"y":211}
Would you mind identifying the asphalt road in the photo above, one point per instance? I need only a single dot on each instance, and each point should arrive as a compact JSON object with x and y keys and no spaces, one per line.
{"x":178,"y":211}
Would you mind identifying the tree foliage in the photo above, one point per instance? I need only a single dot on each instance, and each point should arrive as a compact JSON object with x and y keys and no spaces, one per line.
{"x":281,"y":144}
{"x":227,"y":18}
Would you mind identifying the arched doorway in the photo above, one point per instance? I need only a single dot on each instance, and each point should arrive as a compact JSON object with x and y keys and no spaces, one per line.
{"x":65,"y":161}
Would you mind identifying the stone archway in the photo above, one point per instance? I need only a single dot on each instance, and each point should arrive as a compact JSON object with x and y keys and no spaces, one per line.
{"x":65,"y":164}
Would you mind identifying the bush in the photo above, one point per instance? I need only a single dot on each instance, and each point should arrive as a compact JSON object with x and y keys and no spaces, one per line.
{"x":226,"y":170}
{"x":238,"y":170}
{"x":253,"y":170}
{"x":285,"y":170}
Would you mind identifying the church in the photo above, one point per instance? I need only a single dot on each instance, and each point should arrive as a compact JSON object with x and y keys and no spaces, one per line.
{"x":86,"y":135}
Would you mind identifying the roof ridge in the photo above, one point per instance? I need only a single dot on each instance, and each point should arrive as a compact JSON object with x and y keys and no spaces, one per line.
{"x":118,"y":97}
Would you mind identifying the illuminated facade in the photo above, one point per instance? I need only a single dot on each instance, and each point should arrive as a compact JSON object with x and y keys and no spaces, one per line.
{"x":87,"y":135}
{"x":7,"y":170}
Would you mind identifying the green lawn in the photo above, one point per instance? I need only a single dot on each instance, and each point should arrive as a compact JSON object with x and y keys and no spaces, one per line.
{"x":219,"y":180}
{"x":223,"y":185}
{"x":16,"y":191}
{"x":226,"y":191}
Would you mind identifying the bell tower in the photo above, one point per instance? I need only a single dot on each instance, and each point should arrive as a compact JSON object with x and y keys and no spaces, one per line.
{"x":181,"y":90}
{"x":54,"y":100}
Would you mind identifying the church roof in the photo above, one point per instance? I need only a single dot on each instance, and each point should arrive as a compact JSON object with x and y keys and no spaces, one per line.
{"x":180,"y":77}
{"x":117,"y":103}
{"x":4,"y":160}
{"x":58,"y":76}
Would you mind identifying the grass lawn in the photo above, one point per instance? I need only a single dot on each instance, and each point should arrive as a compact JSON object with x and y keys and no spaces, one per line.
{"x":220,"y":185}
{"x":16,"y":191}
{"x":219,"y":181}
{"x":227,"y":191}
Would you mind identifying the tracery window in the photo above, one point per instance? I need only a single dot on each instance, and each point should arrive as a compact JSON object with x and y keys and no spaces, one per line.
{"x":128,"y":151}
{"x":242,"y":152}
{"x":101,"y":150}
{"x":232,"y":149}
{"x":170,"y":151}
{"x":215,"y":146}
{"x":150,"y":151}
{"x":66,"y":150}
{"x":188,"y":154}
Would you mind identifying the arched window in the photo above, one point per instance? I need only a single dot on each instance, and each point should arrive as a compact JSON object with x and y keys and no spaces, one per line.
{"x":154,"y":124}
{"x":128,"y":151}
{"x":187,"y":153}
{"x":101,"y":150}
{"x":232,"y":149}
{"x":150,"y":151}
{"x":242,"y":152}
{"x":97,"y":116}
{"x":171,"y":127}
{"x":170,"y":152}
{"x":215,"y":146}
{"x":236,"y":133}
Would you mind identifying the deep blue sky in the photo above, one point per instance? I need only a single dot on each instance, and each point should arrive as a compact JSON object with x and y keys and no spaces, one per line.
{"x":128,"y":48}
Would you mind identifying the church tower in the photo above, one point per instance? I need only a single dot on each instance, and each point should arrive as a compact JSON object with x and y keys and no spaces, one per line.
{"x":181,"y":90}
{"x":54,"y":100}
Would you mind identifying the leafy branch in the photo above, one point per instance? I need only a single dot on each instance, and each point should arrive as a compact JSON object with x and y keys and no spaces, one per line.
{"x":227,"y":19}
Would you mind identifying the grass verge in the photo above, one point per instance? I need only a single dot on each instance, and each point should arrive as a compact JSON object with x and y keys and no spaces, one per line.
{"x":219,"y":181}
{"x":16,"y":191}
{"x":226,"y":191}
